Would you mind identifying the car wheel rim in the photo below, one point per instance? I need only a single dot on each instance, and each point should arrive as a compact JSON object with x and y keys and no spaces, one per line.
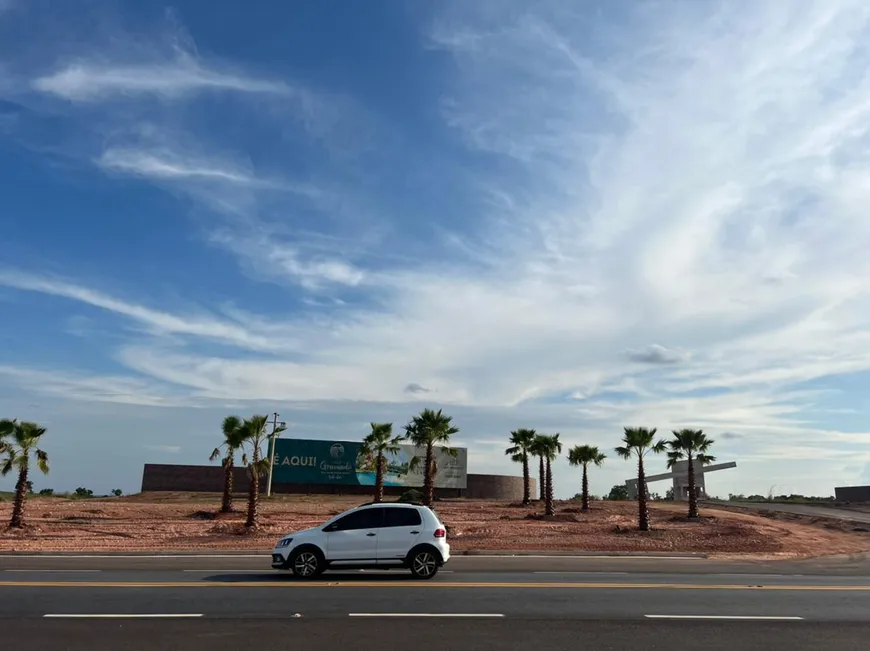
{"x":424,"y":564}
{"x":306,"y":564}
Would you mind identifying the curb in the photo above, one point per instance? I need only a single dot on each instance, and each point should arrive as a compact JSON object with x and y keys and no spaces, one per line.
{"x":259,"y":553}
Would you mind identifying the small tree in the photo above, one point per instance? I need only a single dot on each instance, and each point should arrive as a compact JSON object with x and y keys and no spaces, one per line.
{"x":254,"y":429}
{"x":117,"y":492}
{"x":691,"y":445}
{"x":619,"y":493}
{"x":18,"y":444}
{"x":234,"y":437}
{"x":81,"y":491}
{"x":522,"y":441}
{"x":638,"y":442}
{"x":378,"y":444}
{"x":427,"y":430}
{"x":46,"y":492}
{"x":583,"y":455}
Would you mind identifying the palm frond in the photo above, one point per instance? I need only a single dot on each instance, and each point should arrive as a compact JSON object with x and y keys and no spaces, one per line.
{"x":214,"y":454}
{"x":42,"y":461}
{"x":623,"y":451}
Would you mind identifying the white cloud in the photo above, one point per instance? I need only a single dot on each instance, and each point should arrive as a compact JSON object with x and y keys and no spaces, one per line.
{"x":88,"y":81}
{"x":160,"y":321}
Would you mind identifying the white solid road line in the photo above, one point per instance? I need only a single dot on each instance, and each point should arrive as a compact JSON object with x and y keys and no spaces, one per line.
{"x":740,"y":617}
{"x":578,"y":572}
{"x":120,"y":615}
{"x":425,"y":615}
{"x":163,"y":556}
{"x":43,"y":571}
{"x":610,"y":557}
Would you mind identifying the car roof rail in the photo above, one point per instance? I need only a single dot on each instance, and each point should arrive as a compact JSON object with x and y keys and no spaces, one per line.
{"x":396,"y":502}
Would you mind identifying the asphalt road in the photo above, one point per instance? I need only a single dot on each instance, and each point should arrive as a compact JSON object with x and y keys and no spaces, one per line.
{"x":113,"y":602}
{"x":405,"y":635}
{"x":861,"y":517}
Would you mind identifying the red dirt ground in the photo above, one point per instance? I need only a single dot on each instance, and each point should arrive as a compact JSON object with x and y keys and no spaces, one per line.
{"x":173,"y":521}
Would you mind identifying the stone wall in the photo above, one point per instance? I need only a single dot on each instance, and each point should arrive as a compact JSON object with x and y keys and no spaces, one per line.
{"x":852,"y":493}
{"x":210,"y":479}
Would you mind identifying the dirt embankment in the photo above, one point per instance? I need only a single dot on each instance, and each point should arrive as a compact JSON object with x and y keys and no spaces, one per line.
{"x":171,"y":521}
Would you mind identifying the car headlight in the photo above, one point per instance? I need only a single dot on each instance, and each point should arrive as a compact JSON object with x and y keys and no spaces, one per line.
{"x":284,"y":542}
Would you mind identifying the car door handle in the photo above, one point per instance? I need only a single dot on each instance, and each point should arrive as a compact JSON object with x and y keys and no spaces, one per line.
{"x":414,"y":533}
{"x":371,"y":534}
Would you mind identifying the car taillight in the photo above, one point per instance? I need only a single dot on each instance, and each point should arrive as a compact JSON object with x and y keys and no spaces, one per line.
{"x":440,"y":533}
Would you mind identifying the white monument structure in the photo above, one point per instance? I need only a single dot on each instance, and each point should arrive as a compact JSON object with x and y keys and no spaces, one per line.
{"x":680,"y":477}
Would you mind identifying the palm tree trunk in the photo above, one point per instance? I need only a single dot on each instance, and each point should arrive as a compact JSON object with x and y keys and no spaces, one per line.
{"x":585,"y":506}
{"x":254,"y":493}
{"x":227,"y":501}
{"x":527,"y":493}
{"x":693,"y":498}
{"x":17,"y":520}
{"x":429,"y":478}
{"x":379,"y":478}
{"x":549,"y":510}
{"x":642,"y":507}
{"x":542,"y":489}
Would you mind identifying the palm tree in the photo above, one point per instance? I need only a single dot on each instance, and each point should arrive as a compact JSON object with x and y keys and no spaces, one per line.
{"x":537,"y":448}
{"x":551,"y":448}
{"x":254,"y":433}
{"x":18,"y":441}
{"x":519,"y":451}
{"x":378,"y":444}
{"x":638,"y":441}
{"x":583,"y":455}
{"x":426,"y":430}
{"x":233,"y":440}
{"x":692,"y":445}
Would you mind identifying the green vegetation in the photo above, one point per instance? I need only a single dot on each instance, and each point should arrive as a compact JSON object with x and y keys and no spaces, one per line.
{"x":83,"y":492}
{"x":538,"y":449}
{"x":377,"y":445}
{"x":233,"y":438}
{"x":254,"y":434}
{"x":691,"y":445}
{"x":522,"y":442}
{"x":18,"y":445}
{"x":428,"y":430}
{"x":550,"y":448}
{"x":638,"y":442}
{"x":583,"y":455}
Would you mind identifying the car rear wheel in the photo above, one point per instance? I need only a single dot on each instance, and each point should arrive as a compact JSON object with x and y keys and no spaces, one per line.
{"x":307,"y":563}
{"x":424,"y":564}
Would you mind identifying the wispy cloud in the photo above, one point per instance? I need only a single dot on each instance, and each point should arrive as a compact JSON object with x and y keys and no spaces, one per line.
{"x":89,"y":81}
{"x":159,"y":321}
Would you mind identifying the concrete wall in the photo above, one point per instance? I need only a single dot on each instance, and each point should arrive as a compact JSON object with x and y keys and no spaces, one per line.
{"x":852,"y":493}
{"x":210,"y":479}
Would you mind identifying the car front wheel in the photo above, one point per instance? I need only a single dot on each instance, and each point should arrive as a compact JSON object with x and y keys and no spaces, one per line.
{"x":424,"y":564}
{"x":306,"y":564}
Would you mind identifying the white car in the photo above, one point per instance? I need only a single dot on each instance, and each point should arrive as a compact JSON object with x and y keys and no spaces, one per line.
{"x":371,"y":536}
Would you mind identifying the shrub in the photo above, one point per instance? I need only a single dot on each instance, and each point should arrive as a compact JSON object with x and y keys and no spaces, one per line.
{"x":117,"y":492}
{"x":411,"y":495}
{"x":84,"y":492}
{"x":46,"y":492}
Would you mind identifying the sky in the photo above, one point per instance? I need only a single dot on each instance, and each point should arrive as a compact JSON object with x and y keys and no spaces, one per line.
{"x":568,"y":216}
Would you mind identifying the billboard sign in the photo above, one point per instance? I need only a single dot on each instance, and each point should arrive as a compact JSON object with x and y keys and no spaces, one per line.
{"x":308,"y":461}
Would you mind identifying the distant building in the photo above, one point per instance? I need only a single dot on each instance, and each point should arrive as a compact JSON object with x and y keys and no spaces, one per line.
{"x":852,"y":493}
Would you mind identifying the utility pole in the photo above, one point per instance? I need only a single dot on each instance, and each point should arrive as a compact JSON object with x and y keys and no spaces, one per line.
{"x":272,"y":437}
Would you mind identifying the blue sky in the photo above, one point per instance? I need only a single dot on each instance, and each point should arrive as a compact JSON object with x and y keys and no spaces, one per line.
{"x":569,"y":216}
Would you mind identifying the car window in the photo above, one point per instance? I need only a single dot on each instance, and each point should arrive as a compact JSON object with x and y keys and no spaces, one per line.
{"x":363,"y":519}
{"x":399,"y":517}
